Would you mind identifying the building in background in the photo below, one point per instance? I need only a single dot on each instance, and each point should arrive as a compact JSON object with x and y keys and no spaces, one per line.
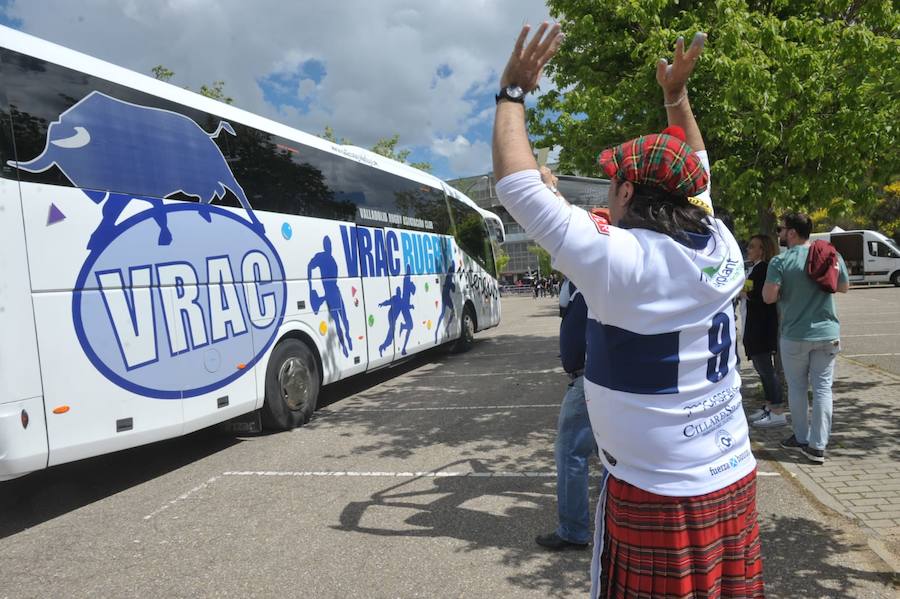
{"x":586,"y":192}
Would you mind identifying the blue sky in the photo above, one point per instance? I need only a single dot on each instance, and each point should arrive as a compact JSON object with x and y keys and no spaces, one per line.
{"x":427,"y":71}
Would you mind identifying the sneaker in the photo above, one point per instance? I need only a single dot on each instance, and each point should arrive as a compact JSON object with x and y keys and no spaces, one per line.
{"x":770,"y":420}
{"x":758,"y":415}
{"x":815,"y":455}
{"x":792,"y":443}
{"x":554,"y":542}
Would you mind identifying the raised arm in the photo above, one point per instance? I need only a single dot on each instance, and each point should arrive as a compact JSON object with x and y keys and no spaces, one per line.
{"x":512,"y":151}
{"x":672,"y":78}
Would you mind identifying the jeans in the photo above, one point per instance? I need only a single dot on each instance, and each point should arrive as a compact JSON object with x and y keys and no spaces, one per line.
{"x":574,"y":445}
{"x":765,"y":367}
{"x":808,"y":362}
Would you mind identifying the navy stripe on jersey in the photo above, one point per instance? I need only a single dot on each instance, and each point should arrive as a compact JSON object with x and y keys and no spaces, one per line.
{"x":626,"y":361}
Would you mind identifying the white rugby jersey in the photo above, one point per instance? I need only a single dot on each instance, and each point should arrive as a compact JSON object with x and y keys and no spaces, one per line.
{"x":661,"y":380}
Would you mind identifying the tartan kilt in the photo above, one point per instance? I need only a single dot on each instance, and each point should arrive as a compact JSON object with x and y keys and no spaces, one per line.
{"x":681,"y":547}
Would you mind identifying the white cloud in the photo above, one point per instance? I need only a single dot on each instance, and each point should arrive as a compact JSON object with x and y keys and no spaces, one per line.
{"x":465,"y":157}
{"x":380,"y":58}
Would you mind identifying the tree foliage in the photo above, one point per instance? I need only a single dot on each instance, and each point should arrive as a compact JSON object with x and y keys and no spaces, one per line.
{"x":544,"y":260}
{"x":797,"y":100}
{"x":216,"y":90}
{"x":386,"y":146}
{"x":501,"y":258}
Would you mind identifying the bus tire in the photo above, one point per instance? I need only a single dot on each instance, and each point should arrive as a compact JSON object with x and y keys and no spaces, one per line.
{"x":895,"y":279}
{"x":466,"y":331}
{"x":292,"y":386}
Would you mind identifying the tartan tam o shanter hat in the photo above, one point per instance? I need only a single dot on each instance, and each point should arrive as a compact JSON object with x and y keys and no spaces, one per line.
{"x":660,"y":159}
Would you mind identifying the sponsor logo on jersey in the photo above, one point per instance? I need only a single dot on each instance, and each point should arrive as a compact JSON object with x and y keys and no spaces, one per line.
{"x":600,"y":222}
{"x":179,"y":299}
{"x":727,"y":271}
{"x":734,"y":462}
{"x":724,"y":441}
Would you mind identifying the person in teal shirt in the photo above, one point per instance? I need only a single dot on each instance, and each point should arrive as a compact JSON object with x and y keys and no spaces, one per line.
{"x":810,"y":335}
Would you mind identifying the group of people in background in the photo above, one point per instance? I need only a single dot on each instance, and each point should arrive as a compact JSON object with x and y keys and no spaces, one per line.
{"x":545,"y":286}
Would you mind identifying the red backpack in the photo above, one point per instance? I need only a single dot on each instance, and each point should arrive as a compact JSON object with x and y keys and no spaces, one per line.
{"x":822,"y":265}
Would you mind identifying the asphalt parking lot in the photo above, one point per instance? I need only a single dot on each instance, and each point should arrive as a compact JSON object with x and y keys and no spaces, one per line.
{"x":427,"y":480}
{"x":870,"y":326}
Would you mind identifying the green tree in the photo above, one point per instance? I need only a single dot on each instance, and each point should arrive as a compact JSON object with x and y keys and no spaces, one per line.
{"x":797,"y":100}
{"x":543,"y":257}
{"x":329,"y":135}
{"x":502,"y":259}
{"x":216,"y":91}
{"x":386,"y":146}
{"x":162,"y":73}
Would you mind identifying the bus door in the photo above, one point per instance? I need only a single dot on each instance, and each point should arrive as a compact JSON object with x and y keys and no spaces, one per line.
{"x":377,"y":296}
{"x":227,"y":354}
{"x":108,"y":372}
{"x":452,"y":300}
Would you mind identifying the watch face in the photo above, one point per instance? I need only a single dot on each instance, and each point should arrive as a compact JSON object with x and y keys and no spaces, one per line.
{"x":514,"y":91}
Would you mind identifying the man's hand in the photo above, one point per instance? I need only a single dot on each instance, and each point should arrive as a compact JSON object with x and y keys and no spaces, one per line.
{"x":672,"y":78}
{"x":526,"y":63}
{"x":548,"y":177}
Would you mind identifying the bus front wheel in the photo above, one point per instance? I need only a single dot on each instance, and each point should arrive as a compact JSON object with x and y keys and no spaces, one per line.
{"x":467,"y":332}
{"x":292,"y":386}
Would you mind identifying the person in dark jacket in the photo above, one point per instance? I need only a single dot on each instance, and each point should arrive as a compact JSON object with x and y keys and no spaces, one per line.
{"x":761,"y":333}
{"x":575,"y":439}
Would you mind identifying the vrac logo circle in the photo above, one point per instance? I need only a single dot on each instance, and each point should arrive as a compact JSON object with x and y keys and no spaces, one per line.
{"x":182,"y":314}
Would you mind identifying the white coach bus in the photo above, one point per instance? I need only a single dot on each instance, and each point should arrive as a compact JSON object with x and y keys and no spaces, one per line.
{"x":169,"y":262}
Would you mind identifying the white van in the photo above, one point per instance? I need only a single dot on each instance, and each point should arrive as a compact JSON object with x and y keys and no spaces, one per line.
{"x":870,"y":256}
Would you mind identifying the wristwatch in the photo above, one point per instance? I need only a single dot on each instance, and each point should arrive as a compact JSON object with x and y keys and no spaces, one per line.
{"x":513,"y":93}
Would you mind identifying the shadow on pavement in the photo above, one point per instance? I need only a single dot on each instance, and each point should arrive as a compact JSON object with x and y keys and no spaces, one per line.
{"x":41,"y":496}
{"x":802,"y":559}
{"x":484,"y":513}
{"x":444,"y":404}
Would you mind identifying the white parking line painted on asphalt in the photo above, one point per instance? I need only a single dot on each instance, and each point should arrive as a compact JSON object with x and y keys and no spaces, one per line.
{"x":442,"y":408}
{"x":872,"y":335}
{"x":760,"y":473}
{"x":867,"y":355}
{"x":181,"y":497}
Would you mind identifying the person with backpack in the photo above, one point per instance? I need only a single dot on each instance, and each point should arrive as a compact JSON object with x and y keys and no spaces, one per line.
{"x":803,"y":281}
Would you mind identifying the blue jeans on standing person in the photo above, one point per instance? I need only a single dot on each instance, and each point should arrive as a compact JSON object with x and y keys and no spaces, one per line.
{"x":805,"y":363}
{"x":574,"y":446}
{"x":765,"y":367}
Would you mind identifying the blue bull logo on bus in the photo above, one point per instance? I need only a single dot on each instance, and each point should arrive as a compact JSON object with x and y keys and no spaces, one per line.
{"x":166,"y":305}
{"x":133,"y":151}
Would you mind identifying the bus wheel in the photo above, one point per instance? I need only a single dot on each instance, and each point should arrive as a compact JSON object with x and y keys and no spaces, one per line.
{"x":467,"y":331}
{"x":292,"y":386}
{"x":895,"y":279}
